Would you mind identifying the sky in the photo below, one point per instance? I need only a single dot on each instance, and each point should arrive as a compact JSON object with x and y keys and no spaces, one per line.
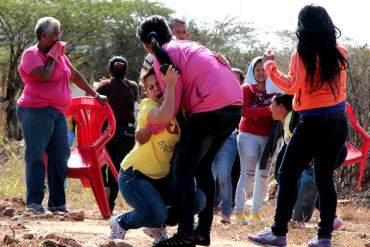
{"x":351,"y":16}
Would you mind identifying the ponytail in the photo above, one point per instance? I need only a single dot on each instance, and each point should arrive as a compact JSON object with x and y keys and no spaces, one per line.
{"x":154,"y":30}
{"x":159,"y":53}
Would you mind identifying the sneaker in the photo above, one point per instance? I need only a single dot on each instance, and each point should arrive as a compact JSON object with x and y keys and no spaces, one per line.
{"x":255,"y":219}
{"x":239,"y":219}
{"x":225,"y":219}
{"x":116,"y":231}
{"x":59,"y":211}
{"x":338,"y":223}
{"x":35,"y":208}
{"x":319,"y":242}
{"x":176,"y":240}
{"x":158,"y":233}
{"x":297,"y":225}
{"x":268,"y":238}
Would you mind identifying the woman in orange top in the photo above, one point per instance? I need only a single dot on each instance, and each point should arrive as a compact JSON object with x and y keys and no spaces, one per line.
{"x":317,"y":78}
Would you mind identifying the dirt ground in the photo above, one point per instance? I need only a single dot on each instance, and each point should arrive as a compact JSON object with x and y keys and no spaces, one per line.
{"x":53,"y":230}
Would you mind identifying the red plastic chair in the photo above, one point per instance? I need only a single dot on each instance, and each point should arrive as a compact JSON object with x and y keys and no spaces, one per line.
{"x":90,"y":154}
{"x":355,"y":155}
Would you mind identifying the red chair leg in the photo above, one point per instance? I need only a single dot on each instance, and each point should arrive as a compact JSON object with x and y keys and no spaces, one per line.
{"x":97,"y":185}
{"x":362,"y":172}
{"x":85,"y":182}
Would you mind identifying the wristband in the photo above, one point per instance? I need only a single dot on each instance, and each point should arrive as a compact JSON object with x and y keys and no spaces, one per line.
{"x":96,"y":95}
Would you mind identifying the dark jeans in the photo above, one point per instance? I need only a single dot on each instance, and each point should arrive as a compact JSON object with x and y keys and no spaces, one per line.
{"x":149,"y":199}
{"x":45,"y":131}
{"x":118,"y":147}
{"x":306,"y":198}
{"x":201,"y":138}
{"x":317,"y":138}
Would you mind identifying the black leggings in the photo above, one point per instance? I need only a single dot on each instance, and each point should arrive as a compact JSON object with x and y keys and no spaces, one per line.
{"x":201,"y":138}
{"x":317,"y":138}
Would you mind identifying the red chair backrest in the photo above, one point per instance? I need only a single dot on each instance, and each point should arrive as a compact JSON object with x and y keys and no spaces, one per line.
{"x":90,"y":116}
{"x":356,"y":126}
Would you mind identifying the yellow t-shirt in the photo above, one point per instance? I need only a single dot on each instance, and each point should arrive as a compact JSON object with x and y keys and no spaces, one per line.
{"x":153,"y":158}
{"x":287,"y":133}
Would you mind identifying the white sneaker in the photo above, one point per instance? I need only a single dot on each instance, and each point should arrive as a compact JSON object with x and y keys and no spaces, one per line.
{"x":158,"y":233}
{"x":116,"y":231}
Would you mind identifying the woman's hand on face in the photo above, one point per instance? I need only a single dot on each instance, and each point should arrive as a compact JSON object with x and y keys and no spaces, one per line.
{"x":57,"y":49}
{"x":171,"y":77}
{"x":268,"y":55}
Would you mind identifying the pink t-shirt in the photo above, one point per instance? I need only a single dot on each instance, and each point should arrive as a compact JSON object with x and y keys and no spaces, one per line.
{"x":204,"y":84}
{"x":54,"y":93}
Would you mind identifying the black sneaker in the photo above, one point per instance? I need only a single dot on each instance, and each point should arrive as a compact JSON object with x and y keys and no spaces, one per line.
{"x":35,"y":208}
{"x":176,"y":240}
{"x":59,"y":211}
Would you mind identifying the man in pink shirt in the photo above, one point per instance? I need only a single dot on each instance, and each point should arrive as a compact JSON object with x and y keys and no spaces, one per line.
{"x":46,"y":72}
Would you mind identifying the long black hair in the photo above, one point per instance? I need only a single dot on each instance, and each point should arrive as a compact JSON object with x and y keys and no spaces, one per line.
{"x":317,"y":46}
{"x":117,"y":66}
{"x":154,"y":30}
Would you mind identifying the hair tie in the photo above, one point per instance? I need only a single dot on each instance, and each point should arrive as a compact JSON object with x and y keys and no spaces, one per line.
{"x":152,"y":35}
{"x":119,"y":64}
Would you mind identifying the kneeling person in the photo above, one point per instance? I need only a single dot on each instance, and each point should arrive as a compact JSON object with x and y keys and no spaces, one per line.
{"x":143,"y":179}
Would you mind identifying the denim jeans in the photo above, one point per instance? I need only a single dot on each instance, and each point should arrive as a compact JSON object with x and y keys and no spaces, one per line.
{"x":45,"y":130}
{"x":118,"y":147}
{"x":307,"y":195}
{"x":250,"y":151}
{"x":201,"y":138}
{"x":221,"y":169}
{"x":317,"y":138}
{"x":149,"y":199}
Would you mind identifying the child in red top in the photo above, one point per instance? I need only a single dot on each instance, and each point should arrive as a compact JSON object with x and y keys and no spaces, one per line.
{"x":254,"y":127}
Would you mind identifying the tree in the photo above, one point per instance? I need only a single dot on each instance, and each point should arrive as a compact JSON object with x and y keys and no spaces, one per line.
{"x":94,"y":30}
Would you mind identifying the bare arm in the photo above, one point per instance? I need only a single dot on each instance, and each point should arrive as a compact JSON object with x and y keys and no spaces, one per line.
{"x":164,"y":113}
{"x":81,"y":82}
{"x":44,"y":73}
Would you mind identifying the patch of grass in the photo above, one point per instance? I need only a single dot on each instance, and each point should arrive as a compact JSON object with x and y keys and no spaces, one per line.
{"x":12,"y":178}
{"x":13,"y":181}
{"x":352,"y":212}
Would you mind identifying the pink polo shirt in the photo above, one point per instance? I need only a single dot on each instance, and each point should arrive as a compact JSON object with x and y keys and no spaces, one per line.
{"x":54,"y":93}
{"x":204,"y":84}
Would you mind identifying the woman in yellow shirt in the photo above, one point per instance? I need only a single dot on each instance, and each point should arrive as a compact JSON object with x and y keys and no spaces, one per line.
{"x":143,"y":174}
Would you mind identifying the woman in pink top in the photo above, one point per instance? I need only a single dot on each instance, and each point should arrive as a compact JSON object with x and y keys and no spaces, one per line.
{"x":211,"y":95}
{"x":46,"y":72}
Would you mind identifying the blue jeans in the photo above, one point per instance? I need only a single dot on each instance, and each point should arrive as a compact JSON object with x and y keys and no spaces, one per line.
{"x":45,"y":130}
{"x":221,"y":169}
{"x":307,"y":195}
{"x":149,"y":198}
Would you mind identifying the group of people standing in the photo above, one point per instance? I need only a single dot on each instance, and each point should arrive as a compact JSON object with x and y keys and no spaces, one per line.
{"x":195,"y":106}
